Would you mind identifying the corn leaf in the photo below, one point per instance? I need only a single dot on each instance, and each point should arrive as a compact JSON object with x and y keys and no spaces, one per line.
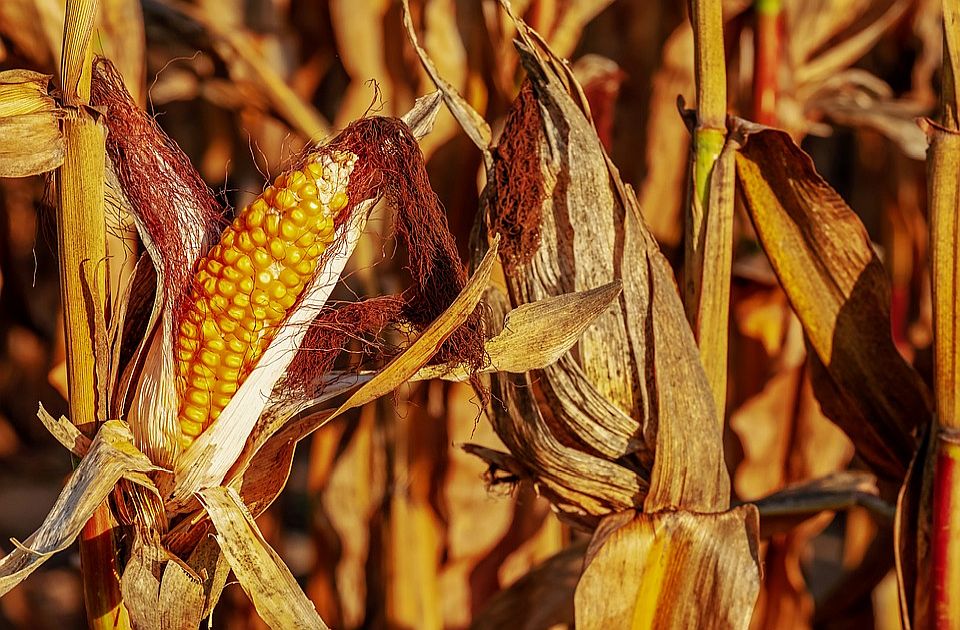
{"x":671,"y":570}
{"x":537,"y":334}
{"x":470,"y":120}
{"x":29,"y":125}
{"x":267,"y":581}
{"x":111,"y":456}
{"x":837,"y":286}
{"x":543,"y":598}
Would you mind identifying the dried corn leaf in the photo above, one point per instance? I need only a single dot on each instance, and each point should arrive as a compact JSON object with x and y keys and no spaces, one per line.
{"x":29,"y":125}
{"x":912,"y":538}
{"x":537,"y":334}
{"x":159,"y":590}
{"x":786,"y":508}
{"x":111,"y":456}
{"x":818,"y":247}
{"x":470,"y":120}
{"x":260,"y":571}
{"x":208,"y":562}
{"x":140,"y":582}
{"x":540,"y":599}
{"x":672,"y":570}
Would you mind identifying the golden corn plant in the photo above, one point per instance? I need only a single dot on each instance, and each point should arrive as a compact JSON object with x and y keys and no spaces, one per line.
{"x":189,"y":398}
{"x":609,"y":434}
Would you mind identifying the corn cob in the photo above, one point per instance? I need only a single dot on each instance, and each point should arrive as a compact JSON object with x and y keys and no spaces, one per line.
{"x":247,"y":283}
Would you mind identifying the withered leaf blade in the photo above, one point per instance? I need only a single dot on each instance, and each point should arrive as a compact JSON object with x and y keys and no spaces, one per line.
{"x":32,"y":144}
{"x":267,"y":581}
{"x":838,"y":288}
{"x":111,"y":456}
{"x":470,"y":120}
{"x":159,"y":590}
{"x":181,"y":596}
{"x":784,"y":509}
{"x":672,"y":570}
{"x":535,"y":335}
{"x":912,"y":535}
{"x":543,"y":598}
{"x":208,"y":562}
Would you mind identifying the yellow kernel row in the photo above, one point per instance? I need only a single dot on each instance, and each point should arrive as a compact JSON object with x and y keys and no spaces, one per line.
{"x":248,"y":282}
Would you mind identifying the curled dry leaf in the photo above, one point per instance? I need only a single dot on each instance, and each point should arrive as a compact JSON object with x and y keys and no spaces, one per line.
{"x":112,"y":455}
{"x":843,"y":490}
{"x":260,"y":571}
{"x":818,"y":247}
{"x":672,"y":570}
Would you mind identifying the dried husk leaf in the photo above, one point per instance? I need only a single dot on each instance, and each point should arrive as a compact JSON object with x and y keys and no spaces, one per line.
{"x":140,"y":581}
{"x":540,"y":599}
{"x":181,"y":596}
{"x":795,"y":503}
{"x":610,"y":244}
{"x":470,"y":120}
{"x":671,"y":570}
{"x":208,"y":562}
{"x":29,"y":125}
{"x":912,"y":537}
{"x":535,"y":335}
{"x":267,"y":581}
{"x":819,"y":249}
{"x":112,"y":455}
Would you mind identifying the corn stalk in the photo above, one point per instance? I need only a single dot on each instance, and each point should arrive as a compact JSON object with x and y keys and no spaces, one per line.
{"x":709,"y":220}
{"x":944,"y":165}
{"x":82,"y":245}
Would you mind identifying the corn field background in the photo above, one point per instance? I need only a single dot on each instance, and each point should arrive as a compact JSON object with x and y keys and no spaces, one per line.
{"x":427,"y":508}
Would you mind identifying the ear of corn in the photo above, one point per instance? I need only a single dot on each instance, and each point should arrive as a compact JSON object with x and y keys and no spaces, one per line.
{"x":246,"y":285}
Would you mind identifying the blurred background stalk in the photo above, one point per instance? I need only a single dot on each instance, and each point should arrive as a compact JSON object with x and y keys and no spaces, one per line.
{"x":82,"y":245}
{"x":709,"y":218}
{"x":767,"y":49}
{"x":944,"y":163}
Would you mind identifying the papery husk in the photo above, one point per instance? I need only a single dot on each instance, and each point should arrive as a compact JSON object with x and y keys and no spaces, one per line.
{"x":671,"y":570}
{"x":259,"y":569}
{"x":29,"y":125}
{"x":818,"y":247}
{"x":111,"y":456}
{"x":612,"y":399}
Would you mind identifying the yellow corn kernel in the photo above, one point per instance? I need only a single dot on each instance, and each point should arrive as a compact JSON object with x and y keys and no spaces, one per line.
{"x":244,"y":288}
